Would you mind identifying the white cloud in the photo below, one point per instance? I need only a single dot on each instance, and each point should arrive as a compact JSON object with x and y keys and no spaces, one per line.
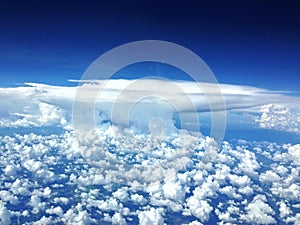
{"x":7,"y":196}
{"x":284,"y":210}
{"x":294,"y":154}
{"x":121,"y":194}
{"x":139,"y":199}
{"x":61,"y":200}
{"x":225,"y":217}
{"x":239,"y":181}
{"x":248,"y":164}
{"x":269,"y":177}
{"x":151,"y":216}
{"x":284,"y":191}
{"x":173,"y":190}
{"x":4,"y":215}
{"x":46,"y":105}
{"x":281,"y":117}
{"x":259,"y":212}
{"x":73,"y":217}
{"x":118,"y":219}
{"x":230,"y":192}
{"x":19,"y":187}
{"x":11,"y":170}
{"x":61,"y":178}
{"x":36,"y":203}
{"x":55,"y":210}
{"x":199,"y":208}
{"x":294,"y":219}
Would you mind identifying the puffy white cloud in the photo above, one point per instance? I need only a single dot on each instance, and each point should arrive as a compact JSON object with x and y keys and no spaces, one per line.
{"x":222,"y":172}
{"x":7,"y":196}
{"x":246,"y":190}
{"x":11,"y":170}
{"x":281,"y":117}
{"x":284,"y":210}
{"x":44,"y":221}
{"x":55,"y":210}
{"x":269,"y":177}
{"x":284,"y":191}
{"x":230,"y":192}
{"x":225,"y":217}
{"x":24,"y":106}
{"x":199,"y":208}
{"x":121,"y":194}
{"x":19,"y":187}
{"x":173,"y":190}
{"x":36,"y":204}
{"x":138,"y":199}
{"x":239,"y":181}
{"x":281,"y":170}
{"x":46,"y":192}
{"x":118,"y":219}
{"x":61,"y":200}
{"x":151,"y":216}
{"x":294,"y":219}
{"x":5,"y":218}
{"x":294,"y":154}
{"x":248,"y":164}
{"x":51,"y":114}
{"x":258,"y":212}
{"x":73,"y":217}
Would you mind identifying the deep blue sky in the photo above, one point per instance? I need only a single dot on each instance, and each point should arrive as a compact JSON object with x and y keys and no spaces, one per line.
{"x":250,"y":43}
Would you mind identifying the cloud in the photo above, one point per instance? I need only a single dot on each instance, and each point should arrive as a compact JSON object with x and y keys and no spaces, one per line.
{"x":21,"y":107}
{"x":284,"y":210}
{"x":199,"y":208}
{"x":5,"y":217}
{"x":280,"y":116}
{"x":151,"y":216}
{"x":46,"y":105}
{"x":62,"y":188}
{"x":259,"y":212}
{"x":239,"y":181}
{"x":78,"y":193}
{"x":269,"y":177}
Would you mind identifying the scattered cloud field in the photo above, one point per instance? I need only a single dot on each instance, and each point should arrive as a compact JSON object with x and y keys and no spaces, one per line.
{"x":45,"y":180}
{"x":103,"y":176}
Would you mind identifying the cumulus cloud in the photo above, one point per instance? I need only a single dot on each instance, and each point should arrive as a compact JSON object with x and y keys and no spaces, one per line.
{"x":280,"y":116}
{"x":269,"y":177}
{"x":80,"y":194}
{"x":199,"y":208}
{"x":151,"y":216}
{"x":259,"y":212}
{"x":5,"y":217}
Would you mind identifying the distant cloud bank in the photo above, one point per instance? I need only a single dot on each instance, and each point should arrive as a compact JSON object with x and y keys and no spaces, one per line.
{"x":46,"y":105}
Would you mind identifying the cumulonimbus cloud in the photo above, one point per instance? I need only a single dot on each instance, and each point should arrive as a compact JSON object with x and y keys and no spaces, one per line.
{"x":27,"y":105}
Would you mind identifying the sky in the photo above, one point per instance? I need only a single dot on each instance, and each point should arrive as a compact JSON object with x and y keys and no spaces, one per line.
{"x":249,"y":43}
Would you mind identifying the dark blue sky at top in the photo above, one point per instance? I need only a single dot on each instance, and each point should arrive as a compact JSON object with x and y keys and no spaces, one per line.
{"x":249,"y":43}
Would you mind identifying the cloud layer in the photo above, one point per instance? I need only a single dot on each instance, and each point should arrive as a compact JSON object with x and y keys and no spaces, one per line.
{"x":239,"y":187}
{"x":46,"y":105}
{"x":140,"y":178}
